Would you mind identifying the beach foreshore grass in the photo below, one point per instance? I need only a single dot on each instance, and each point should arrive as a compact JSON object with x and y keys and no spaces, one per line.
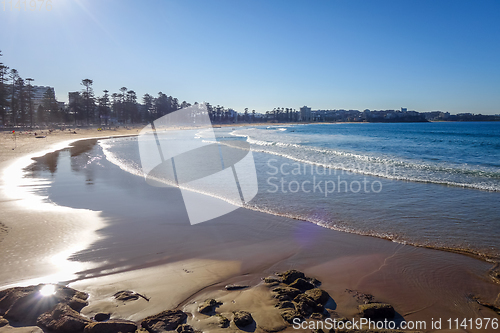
{"x":37,"y":238}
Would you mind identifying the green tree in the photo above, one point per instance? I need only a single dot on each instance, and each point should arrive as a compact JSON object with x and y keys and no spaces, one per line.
{"x":104,"y":107}
{"x":13,"y":75}
{"x":30,"y":104}
{"x":149,"y":111}
{"x":88,"y":95}
{"x":3,"y":91}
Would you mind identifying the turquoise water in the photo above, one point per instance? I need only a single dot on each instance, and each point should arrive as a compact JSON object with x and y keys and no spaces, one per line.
{"x":427,"y":184}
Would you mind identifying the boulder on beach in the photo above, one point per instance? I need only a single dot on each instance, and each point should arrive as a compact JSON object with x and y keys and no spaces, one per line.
{"x":164,"y":321}
{"x":26,"y":304}
{"x":306,"y":305}
{"x":185,"y":328}
{"x":126,"y":295}
{"x":101,"y":316}
{"x":318,"y":295}
{"x":62,"y":319}
{"x":235,"y":287}
{"x":292,"y":275}
{"x":290,"y":314}
{"x":301,"y":284}
{"x":223,"y":321}
{"x":286,"y":293}
{"x":242,"y":318}
{"x":377,"y":311}
{"x":208,"y":306}
{"x":111,"y":326}
{"x":285,"y":305}
{"x":3,"y":321}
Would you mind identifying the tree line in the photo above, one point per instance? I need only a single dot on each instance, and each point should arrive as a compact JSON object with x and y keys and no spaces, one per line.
{"x":85,"y":107}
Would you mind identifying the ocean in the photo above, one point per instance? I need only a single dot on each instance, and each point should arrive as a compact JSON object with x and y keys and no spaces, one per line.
{"x":426,"y":184}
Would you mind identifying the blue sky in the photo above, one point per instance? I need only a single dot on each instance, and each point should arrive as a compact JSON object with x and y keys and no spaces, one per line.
{"x":327,"y":54}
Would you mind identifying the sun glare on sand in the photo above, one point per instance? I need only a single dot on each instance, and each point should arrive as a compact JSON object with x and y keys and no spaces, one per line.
{"x":48,"y":290}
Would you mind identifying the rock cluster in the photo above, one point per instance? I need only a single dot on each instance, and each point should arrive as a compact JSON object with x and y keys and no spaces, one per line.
{"x":298,"y":295}
{"x":26,"y":304}
{"x":59,"y":312}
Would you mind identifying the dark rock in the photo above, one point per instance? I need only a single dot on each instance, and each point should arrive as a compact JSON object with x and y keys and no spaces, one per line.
{"x":285,"y":305}
{"x":223,"y":321}
{"x":184,"y":328}
{"x":235,"y":287}
{"x":289,"y":315}
{"x":301,"y":284}
{"x":164,"y":321}
{"x":304,"y":309}
{"x":126,"y":295}
{"x":377,"y":311}
{"x":3,"y":321}
{"x":62,"y":319}
{"x":292,"y":275}
{"x":77,"y":304}
{"x":101,"y":316}
{"x":242,"y":318}
{"x":317,"y":316}
{"x":26,"y":304}
{"x":208,"y":306}
{"x":111,"y":326}
{"x":318,"y":295}
{"x":318,"y":330}
{"x":286,"y":293}
{"x":314,"y":281}
{"x":306,"y":305}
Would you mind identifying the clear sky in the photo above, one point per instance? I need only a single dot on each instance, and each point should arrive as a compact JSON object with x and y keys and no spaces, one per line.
{"x":327,"y":54}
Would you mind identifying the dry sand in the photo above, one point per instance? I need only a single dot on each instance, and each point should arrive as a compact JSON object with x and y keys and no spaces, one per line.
{"x":36,"y":238}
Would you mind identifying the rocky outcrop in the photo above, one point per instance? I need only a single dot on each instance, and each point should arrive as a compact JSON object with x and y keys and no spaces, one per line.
{"x":164,"y":321}
{"x":235,"y":287}
{"x":301,"y":284}
{"x":377,"y":311}
{"x":101,"y":316}
{"x":285,"y":305}
{"x":3,"y":321}
{"x":185,"y":328}
{"x":223,"y":321}
{"x":26,"y":304}
{"x":208,"y":306}
{"x":286,"y":293}
{"x":290,"y":314}
{"x":111,"y":326}
{"x":292,"y":275}
{"x":242,"y":318}
{"x":62,"y":319}
{"x":318,"y":295}
{"x":126,"y":295}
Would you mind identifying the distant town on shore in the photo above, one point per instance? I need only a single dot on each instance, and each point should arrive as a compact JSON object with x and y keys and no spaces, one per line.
{"x":23,"y":104}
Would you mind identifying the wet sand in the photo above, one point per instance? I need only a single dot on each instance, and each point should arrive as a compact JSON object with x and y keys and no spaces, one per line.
{"x":176,"y":264}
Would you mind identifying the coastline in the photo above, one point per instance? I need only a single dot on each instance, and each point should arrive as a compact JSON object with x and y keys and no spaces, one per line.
{"x":341,"y":260}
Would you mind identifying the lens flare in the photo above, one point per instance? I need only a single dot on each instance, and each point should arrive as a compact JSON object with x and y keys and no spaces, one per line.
{"x":48,"y":290}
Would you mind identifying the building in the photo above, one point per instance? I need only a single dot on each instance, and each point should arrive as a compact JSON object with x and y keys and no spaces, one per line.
{"x":305,"y":114}
{"x":38,"y":93}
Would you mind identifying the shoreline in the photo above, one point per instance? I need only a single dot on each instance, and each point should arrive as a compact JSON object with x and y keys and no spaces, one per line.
{"x":68,"y":143}
{"x":235,"y":271}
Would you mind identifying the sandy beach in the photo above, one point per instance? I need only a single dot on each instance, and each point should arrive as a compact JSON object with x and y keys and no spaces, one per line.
{"x":178,"y":266}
